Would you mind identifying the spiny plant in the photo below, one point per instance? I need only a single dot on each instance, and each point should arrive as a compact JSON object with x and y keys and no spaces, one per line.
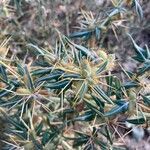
{"x":68,"y":96}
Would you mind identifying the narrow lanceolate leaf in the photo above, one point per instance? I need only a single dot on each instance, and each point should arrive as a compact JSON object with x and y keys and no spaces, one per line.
{"x":147,"y":53}
{"x":130,"y":74}
{"x":17,"y":124}
{"x":100,"y":103}
{"x":48,"y":138}
{"x":102,"y":94}
{"x":3,"y":73}
{"x":57,"y":85}
{"x":88,"y":116}
{"x":71,"y":75}
{"x":50,"y":77}
{"x":102,"y":67}
{"x":146,"y":99}
{"x":28,"y":79}
{"x":36,"y":48}
{"x":19,"y":134}
{"x":83,"y":90}
{"x":83,"y":49}
{"x":138,"y":50}
{"x":116,"y":110}
{"x":118,"y":148}
{"x":102,"y":144}
{"x":80,"y":34}
{"x":117,"y":83}
{"x":109,"y":134}
{"x":41,"y":71}
{"x":138,"y":58}
{"x":94,"y":109}
{"x":130,"y":84}
{"x":97,"y":33}
{"x":7,"y":91}
{"x":138,"y":9}
{"x":136,"y":120}
{"x":109,"y":80}
{"x":105,"y":130}
{"x":37,"y":145}
{"x":120,"y":102}
{"x":20,"y":69}
{"x":80,"y":141}
{"x":144,"y":68}
{"x":11,"y":101}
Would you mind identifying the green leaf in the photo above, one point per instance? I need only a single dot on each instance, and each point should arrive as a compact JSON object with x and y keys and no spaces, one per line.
{"x":39,"y":128}
{"x":30,"y":84}
{"x":146,"y":99}
{"x":40,"y":51}
{"x":80,"y":34}
{"x":117,"y":87}
{"x":138,"y":49}
{"x":130,"y":74}
{"x":130,"y":84}
{"x":41,"y":71}
{"x":103,"y":145}
{"x":48,"y":136}
{"x":146,"y":67}
{"x":45,"y":137}
{"x":87,"y":116}
{"x":58,"y":85}
{"x":97,"y":33}
{"x":16,"y":125}
{"x":3,"y":73}
{"x":21,"y":70}
{"x":109,"y":80}
{"x":10,"y":102}
{"x":94,"y":109}
{"x":116,"y":110}
{"x":37,"y":145}
{"x":41,"y":62}
{"x":109,"y":134}
{"x":147,"y":53}
{"x":138,"y":58}
{"x":104,"y":130}
{"x":71,"y":75}
{"x":20,"y":134}
{"x":118,"y":148}
{"x":120,"y":102}
{"x":138,"y":8}
{"x":18,"y":5}
{"x":136,"y":120}
{"x":100,"y":103}
{"x":52,"y":76}
{"x":117,"y":83}
{"x":83,"y":90}
{"x":80,"y":141}
{"x":114,"y":86}
{"x":7,"y":91}
{"x":102,"y":67}
{"x":102,"y":94}
{"x":116,"y":10}
{"x":84,"y":50}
